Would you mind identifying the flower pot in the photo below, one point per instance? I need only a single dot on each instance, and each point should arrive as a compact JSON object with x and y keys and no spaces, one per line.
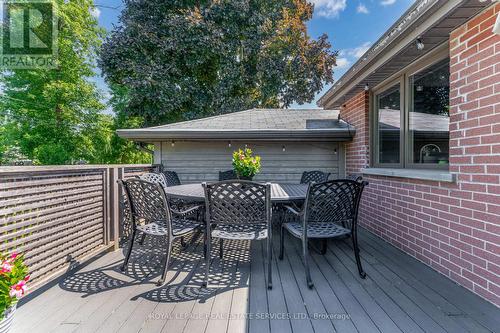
{"x":6,"y":322}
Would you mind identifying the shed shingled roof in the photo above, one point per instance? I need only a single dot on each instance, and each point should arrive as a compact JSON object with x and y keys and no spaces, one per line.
{"x":259,"y":124}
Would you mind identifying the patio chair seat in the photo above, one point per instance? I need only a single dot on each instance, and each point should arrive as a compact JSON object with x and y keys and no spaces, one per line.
{"x":179,"y":227}
{"x":240,"y":231}
{"x":184,"y":226}
{"x":317,"y":230}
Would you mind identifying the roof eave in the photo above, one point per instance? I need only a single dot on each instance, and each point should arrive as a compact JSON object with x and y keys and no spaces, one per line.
{"x":341,"y":134}
{"x":406,"y":29}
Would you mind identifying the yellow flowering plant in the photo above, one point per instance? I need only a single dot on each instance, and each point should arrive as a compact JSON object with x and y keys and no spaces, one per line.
{"x":245,"y":164}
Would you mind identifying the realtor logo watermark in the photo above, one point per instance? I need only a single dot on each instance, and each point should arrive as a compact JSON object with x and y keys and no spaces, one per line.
{"x":29,"y":34}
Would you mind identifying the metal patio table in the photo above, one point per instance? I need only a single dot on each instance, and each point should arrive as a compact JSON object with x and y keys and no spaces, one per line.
{"x":280,"y":193}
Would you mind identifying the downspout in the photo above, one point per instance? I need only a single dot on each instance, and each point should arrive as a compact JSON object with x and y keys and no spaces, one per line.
{"x":142,"y":147}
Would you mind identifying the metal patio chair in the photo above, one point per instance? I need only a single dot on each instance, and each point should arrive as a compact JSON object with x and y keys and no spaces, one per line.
{"x":238,"y":210}
{"x":178,"y":205}
{"x":152,"y":216}
{"x":355,"y":177}
{"x":227,"y":175}
{"x":314,"y":176}
{"x":172,"y":178}
{"x":330,"y":211}
{"x":155,"y":177}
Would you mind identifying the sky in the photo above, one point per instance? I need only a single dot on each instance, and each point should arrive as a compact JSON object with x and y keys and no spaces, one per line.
{"x":352,"y":27}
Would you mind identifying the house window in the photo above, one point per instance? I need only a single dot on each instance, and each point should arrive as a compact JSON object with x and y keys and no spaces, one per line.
{"x":411,"y":128}
{"x":429,"y":97}
{"x":389,"y":125}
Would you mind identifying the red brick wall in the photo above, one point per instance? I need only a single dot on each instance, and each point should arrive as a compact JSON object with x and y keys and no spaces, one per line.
{"x":355,"y":112}
{"x":453,"y":227}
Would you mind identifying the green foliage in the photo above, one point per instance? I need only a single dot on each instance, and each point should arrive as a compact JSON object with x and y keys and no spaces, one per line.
{"x":186,"y":59}
{"x":55,"y":116}
{"x":245,"y":164}
{"x":13,"y":278}
{"x":121,"y":150}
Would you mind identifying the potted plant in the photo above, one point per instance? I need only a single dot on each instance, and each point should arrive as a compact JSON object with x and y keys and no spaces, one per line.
{"x":245,"y":165}
{"x":13,"y":279}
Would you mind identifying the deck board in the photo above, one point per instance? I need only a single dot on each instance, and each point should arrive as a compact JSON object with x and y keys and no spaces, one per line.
{"x":420,"y":302}
{"x":400,"y":294}
{"x":470,"y":305}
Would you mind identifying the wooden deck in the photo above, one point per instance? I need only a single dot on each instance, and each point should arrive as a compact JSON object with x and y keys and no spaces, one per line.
{"x":400,"y":294}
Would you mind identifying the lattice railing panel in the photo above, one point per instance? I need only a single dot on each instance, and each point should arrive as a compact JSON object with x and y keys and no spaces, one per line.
{"x":59,"y":216}
{"x":54,"y":218}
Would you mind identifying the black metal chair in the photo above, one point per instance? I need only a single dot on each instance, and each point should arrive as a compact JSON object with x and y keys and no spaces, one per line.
{"x":355,"y":177}
{"x":178,"y":205}
{"x":152,"y":216}
{"x":155,"y":177}
{"x":172,"y":178}
{"x":238,"y":210}
{"x":314,"y":177}
{"x":227,"y":175}
{"x":163,"y":180}
{"x":330,"y":211}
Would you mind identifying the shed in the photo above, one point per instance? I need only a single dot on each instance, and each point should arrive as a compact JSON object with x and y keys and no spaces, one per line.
{"x":289,"y":141}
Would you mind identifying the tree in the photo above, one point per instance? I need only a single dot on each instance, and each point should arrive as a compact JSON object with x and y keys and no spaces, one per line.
{"x":122,"y":150}
{"x":186,"y":59}
{"x":55,"y":115}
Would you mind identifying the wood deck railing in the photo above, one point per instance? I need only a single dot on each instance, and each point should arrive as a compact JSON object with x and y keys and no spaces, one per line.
{"x":59,"y":216}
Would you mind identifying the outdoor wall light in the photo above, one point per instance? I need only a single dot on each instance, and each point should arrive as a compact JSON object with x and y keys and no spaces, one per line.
{"x":229,"y":144}
{"x":496,"y":27}
{"x":367,"y":87}
{"x":420,"y":45}
{"x":173,"y":144}
{"x":283,"y":148}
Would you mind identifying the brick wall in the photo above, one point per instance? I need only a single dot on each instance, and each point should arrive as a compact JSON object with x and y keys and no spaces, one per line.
{"x":355,"y":112}
{"x":453,"y":227}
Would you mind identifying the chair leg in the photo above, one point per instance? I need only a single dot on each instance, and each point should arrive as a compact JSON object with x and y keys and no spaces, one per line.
{"x":165,"y":265}
{"x":305,"y":251}
{"x":221,"y":248}
{"x":324,"y":246}
{"x":207,"y":261}
{"x":282,"y":242}
{"x":205,"y":244}
{"x":355,"y":246}
{"x":143,"y":237}
{"x":129,"y":251}
{"x":184,"y":245}
{"x":269,"y":264}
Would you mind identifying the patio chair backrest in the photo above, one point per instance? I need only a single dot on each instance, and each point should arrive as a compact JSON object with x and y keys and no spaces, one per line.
{"x":172,"y":178}
{"x":314,"y":176}
{"x":227,"y":175}
{"x":335,"y":201}
{"x":153,"y":177}
{"x":148,"y":202}
{"x":355,"y":177}
{"x":238,"y":202}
